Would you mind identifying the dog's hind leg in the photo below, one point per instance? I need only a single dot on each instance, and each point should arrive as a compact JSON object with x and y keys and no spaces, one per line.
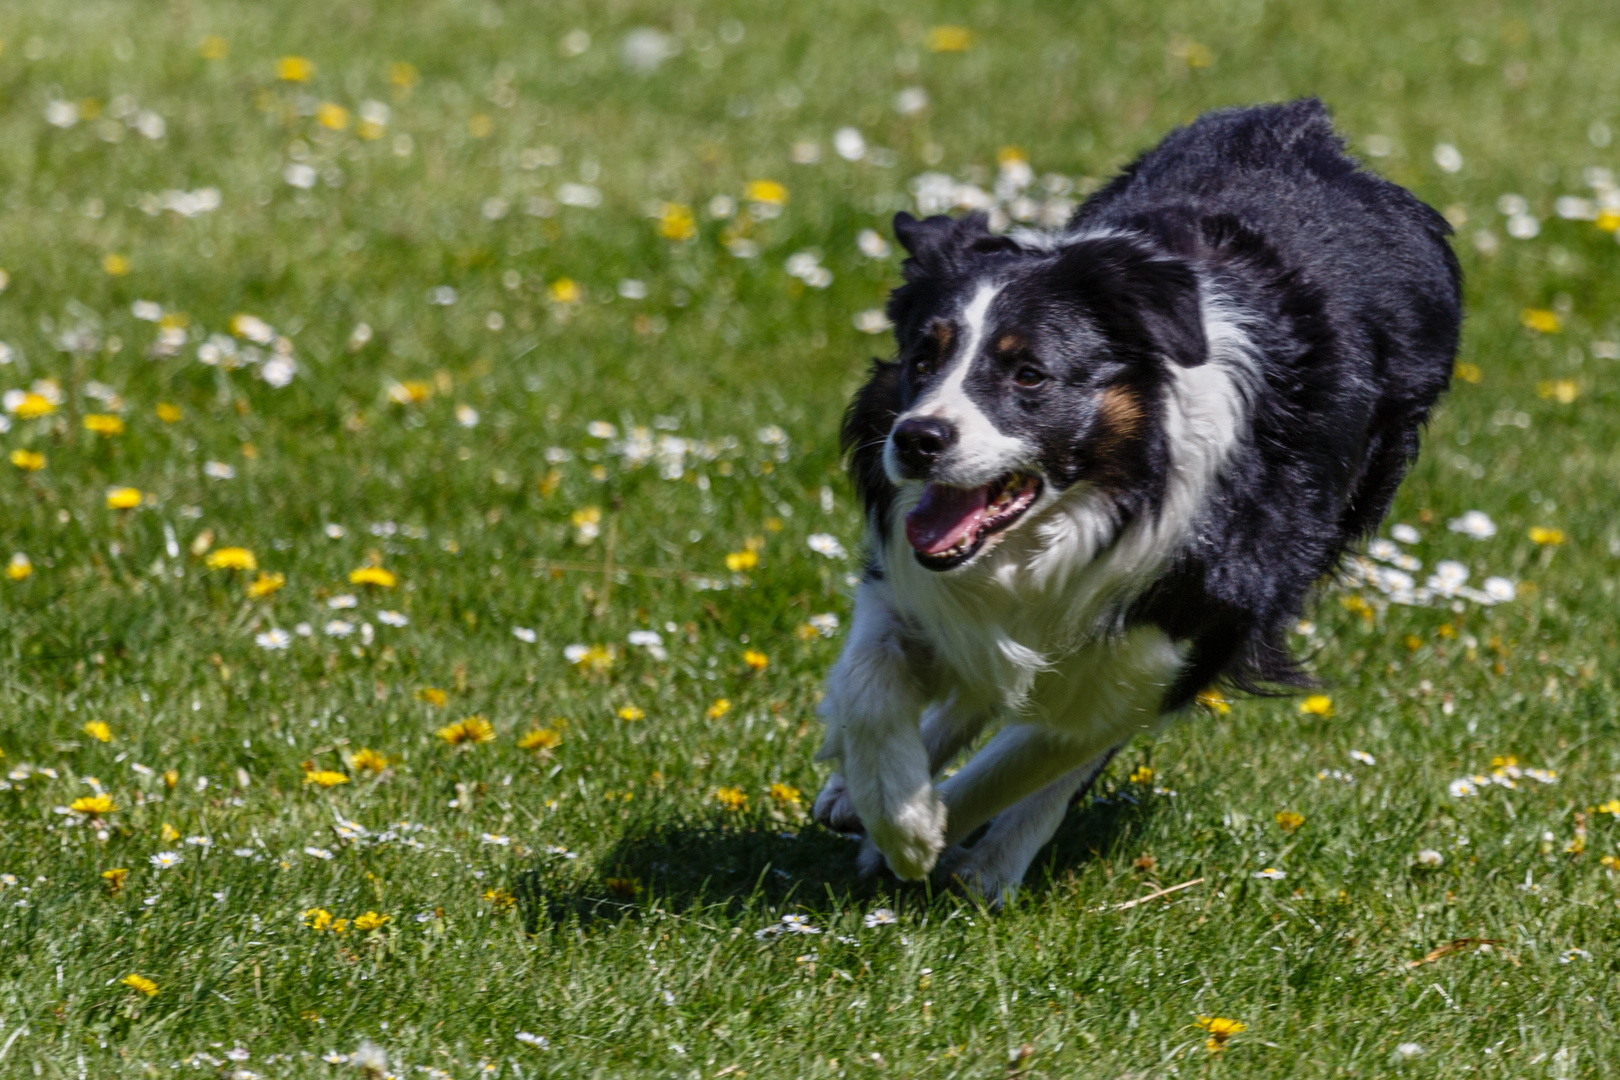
{"x":947,"y":728}
{"x":995,"y":866}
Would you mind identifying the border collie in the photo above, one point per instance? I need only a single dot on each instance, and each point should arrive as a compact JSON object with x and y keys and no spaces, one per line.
{"x":1107,"y":466}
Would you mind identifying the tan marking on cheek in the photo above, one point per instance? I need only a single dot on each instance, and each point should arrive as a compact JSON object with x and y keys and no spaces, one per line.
{"x":1119,"y":413}
{"x":1119,"y":420}
{"x":1009,"y":343}
{"x":943,"y":333}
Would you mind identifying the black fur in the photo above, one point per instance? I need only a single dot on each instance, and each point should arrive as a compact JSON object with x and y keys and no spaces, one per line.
{"x":1350,"y":294}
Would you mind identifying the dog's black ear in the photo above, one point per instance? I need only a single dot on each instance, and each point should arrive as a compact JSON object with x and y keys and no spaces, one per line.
{"x":927,"y":240}
{"x":1146,"y":300}
{"x":1171,"y":310}
{"x":941,"y":243}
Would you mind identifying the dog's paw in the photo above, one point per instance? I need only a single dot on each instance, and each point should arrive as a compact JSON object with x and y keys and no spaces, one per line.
{"x":835,"y":810}
{"x":913,"y":836}
{"x":986,"y":874}
{"x":870,"y":862}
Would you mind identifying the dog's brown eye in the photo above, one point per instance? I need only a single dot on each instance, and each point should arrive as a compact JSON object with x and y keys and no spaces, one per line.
{"x":1029,"y":376}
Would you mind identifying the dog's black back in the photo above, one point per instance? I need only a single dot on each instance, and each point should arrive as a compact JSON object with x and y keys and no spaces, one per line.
{"x":1350,"y":299}
{"x":1364,"y":295}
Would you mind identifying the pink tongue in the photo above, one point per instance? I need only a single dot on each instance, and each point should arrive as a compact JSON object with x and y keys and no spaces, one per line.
{"x":944,"y":516}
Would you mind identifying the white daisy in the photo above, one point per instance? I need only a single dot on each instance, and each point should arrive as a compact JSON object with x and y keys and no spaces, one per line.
{"x":275,"y":638}
{"x":826,"y":544}
{"x":163,"y":860}
{"x":1475,"y":523}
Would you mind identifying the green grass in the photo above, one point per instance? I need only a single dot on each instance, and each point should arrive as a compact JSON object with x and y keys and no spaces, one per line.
{"x":638,"y":957}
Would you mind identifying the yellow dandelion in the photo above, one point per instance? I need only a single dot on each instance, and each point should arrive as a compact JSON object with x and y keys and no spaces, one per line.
{"x":168,"y":833}
{"x":1564,"y":391}
{"x":364,"y":760}
{"x":339,"y":925}
{"x":586,"y":515}
{"x":294,"y":69}
{"x":1610,"y":861}
{"x":265,"y":584}
{"x":115,"y":265}
{"x":123,"y":498}
{"x":785,"y":794}
{"x":324,"y":777}
{"x":140,"y":983}
{"x":623,"y":886}
{"x":1142,"y":774}
{"x":20,"y":567}
{"x":169,"y":414}
{"x":1220,"y":1030}
{"x":565,"y":291}
{"x":942,"y":39}
{"x":317,"y":918}
{"x":332,"y":116}
{"x":33,"y":406}
{"x":766,"y":191}
{"x":737,"y":561}
{"x":756,"y":660}
{"x":630,"y":712}
{"x":1541,"y":320}
{"x":28,"y":460}
{"x":403,"y":75}
{"x":1469,"y":373}
{"x":171,"y":777}
{"x":597,"y":659}
{"x":370,"y":921}
{"x":720,"y":707}
{"x":410,"y":392}
{"x":115,"y":879}
{"x":1317,"y":705}
{"x":213,"y":47}
{"x":373,"y":575}
{"x":732,"y":798}
{"x":1290,"y":820}
{"x":231,"y":558}
{"x":539,"y":739}
{"x":469,"y":732}
{"x":675,"y":222}
{"x":1215,"y":701}
{"x":1610,"y":807}
{"x":98,"y":730}
{"x":1608,"y":220}
{"x":432,"y":695}
{"x":104,"y":424}
{"x":1545,"y":536}
{"x":500,"y":899}
{"x":94,"y":805}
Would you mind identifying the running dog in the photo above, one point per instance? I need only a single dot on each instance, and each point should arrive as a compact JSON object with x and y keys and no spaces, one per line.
{"x":1107,"y":466}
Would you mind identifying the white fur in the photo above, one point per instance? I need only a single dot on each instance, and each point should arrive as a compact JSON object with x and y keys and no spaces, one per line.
{"x":982,"y":453}
{"x":1026,"y":632}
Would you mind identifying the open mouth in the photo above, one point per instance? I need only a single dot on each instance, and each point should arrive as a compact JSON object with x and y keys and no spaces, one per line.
{"x":949,"y":525}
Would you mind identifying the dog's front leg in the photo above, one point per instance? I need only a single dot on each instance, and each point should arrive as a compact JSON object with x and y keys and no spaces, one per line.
{"x":947,"y":727}
{"x":871,"y":709}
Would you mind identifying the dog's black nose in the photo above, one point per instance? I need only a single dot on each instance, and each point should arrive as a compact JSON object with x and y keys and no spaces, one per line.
{"x":920,"y":441}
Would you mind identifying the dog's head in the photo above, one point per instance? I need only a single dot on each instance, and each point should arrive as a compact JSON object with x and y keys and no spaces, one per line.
{"x":1025,"y":367}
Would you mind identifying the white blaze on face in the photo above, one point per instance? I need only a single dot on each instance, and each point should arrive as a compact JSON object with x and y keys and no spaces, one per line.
{"x":982,"y":453}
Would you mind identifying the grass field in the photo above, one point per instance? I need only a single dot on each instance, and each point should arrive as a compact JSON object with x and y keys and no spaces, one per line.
{"x":381,"y":378}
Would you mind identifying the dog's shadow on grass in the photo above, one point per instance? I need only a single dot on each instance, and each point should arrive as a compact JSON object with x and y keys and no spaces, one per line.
{"x":720,"y":864}
{"x":704,"y":864}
